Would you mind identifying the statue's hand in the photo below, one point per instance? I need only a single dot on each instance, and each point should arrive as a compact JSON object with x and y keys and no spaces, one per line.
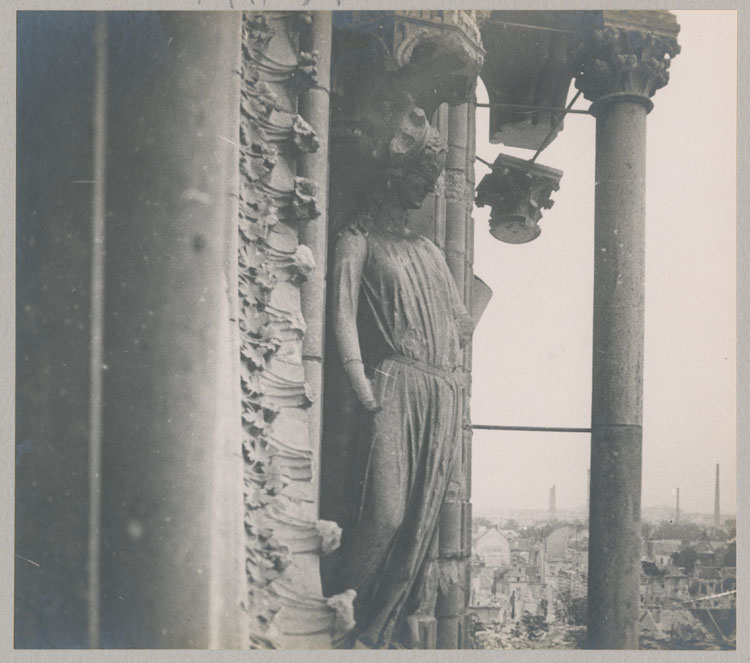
{"x":361,"y":385}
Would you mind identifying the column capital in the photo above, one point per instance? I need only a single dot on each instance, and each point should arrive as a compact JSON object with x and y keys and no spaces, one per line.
{"x":627,"y":56}
{"x":517,"y":192}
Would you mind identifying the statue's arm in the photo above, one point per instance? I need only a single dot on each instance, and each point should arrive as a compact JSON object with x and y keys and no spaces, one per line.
{"x":349,"y":261}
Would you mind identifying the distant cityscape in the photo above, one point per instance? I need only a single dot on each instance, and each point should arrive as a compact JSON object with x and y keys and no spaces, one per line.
{"x":652,"y":514}
{"x":529,"y":577}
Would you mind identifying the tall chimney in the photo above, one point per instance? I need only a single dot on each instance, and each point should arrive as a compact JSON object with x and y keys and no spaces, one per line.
{"x":677,"y":508}
{"x":717,"y":510}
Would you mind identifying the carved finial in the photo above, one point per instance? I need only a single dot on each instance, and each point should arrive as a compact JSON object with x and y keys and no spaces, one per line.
{"x":330,"y":535}
{"x":343,"y":607}
{"x":305,"y":202}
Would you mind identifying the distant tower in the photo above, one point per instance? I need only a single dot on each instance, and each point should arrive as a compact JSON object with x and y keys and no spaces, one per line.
{"x":677,"y":508}
{"x":552,"y":506}
{"x":717,"y":511}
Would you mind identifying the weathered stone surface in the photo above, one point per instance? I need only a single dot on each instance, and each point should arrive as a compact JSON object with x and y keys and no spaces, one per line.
{"x":422,"y":631}
{"x":434,"y":55}
{"x":451,"y":529}
{"x":172,"y":553}
{"x":528,"y":63}
{"x":285,"y":538}
{"x":622,"y":64}
{"x":615,"y":542}
{"x":628,"y":53}
{"x":385,"y":554}
{"x":383,"y":61}
{"x":517,"y":191}
{"x":53,"y":295}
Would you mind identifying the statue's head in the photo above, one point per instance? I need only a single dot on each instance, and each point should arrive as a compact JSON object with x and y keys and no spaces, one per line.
{"x":415,"y":158}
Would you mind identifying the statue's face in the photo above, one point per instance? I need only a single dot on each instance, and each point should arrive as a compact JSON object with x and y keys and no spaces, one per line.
{"x":412,"y":189}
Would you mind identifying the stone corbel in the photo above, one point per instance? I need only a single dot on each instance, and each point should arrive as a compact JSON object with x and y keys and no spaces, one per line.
{"x":517,"y":191}
{"x":528,"y":63}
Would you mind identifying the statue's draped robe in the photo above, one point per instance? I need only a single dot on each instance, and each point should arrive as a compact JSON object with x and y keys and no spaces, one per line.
{"x":411,"y":325}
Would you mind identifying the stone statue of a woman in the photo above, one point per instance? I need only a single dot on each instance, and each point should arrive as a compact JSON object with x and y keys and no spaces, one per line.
{"x":399,"y":326}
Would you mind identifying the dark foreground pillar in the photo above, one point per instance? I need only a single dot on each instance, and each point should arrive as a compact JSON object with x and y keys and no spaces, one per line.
{"x":635,"y":58}
{"x":172,"y":558}
{"x":55,"y":107}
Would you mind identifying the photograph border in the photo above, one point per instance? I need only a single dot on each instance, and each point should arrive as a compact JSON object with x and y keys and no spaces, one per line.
{"x":7,"y":334}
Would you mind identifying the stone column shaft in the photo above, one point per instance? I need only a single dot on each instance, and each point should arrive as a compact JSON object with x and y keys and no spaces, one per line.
{"x":172,"y":562}
{"x":57,"y":87}
{"x":451,"y":599}
{"x":620,"y":65}
{"x":455,"y":187}
{"x":314,"y":106}
{"x":467,"y":434}
{"x":440,"y":205}
{"x":617,"y":401}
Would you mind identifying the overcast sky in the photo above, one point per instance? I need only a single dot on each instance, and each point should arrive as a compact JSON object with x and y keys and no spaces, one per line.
{"x":532,"y":349}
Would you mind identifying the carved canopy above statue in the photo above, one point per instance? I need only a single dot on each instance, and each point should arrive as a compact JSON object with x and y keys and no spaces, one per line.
{"x":379,"y":60}
{"x":434,"y":55}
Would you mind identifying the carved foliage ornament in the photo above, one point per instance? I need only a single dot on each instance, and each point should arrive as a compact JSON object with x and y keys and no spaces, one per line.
{"x":623,"y":60}
{"x":272,"y":264}
{"x":517,"y":192}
